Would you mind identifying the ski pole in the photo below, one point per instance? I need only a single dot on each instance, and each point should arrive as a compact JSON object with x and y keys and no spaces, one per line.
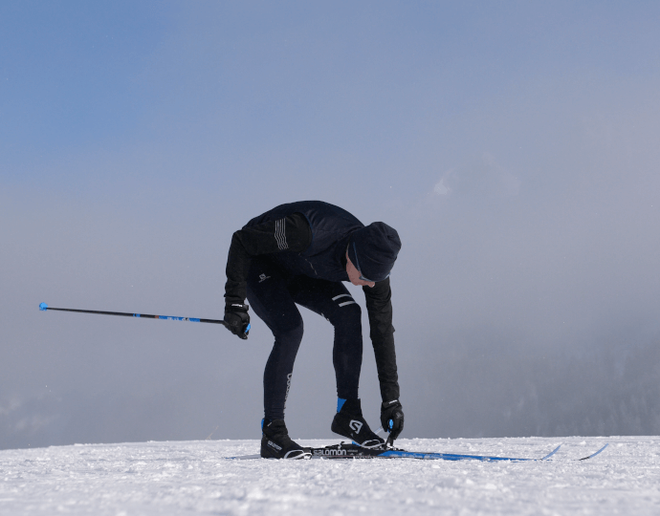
{"x":43,"y":307}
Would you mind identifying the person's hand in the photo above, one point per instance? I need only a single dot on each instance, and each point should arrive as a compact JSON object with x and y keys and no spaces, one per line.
{"x":237,"y":319}
{"x":391,"y":417}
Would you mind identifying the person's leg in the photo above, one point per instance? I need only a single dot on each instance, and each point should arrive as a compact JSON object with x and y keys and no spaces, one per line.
{"x":333,"y":301}
{"x":271,"y":301}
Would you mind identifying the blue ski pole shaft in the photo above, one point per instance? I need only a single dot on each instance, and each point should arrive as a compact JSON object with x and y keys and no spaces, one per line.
{"x":44,"y":307}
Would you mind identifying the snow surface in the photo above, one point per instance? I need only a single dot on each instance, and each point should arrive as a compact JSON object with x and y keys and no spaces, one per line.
{"x":195,"y":477}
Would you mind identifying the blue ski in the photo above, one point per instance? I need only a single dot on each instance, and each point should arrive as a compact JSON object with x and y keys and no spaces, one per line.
{"x":353,"y":451}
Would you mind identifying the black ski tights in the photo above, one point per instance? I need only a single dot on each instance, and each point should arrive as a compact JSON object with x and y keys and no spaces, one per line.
{"x":273,"y":296}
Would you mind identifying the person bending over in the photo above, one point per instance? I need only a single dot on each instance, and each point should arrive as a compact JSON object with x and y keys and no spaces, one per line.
{"x":299,"y":254}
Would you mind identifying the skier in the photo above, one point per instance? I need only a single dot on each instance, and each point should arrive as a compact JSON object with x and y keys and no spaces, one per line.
{"x":299,"y":253}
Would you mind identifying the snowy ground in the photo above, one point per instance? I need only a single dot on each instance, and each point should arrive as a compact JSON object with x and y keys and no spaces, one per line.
{"x":196,"y":478}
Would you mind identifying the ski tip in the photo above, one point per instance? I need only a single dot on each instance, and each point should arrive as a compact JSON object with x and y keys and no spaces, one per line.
{"x":595,"y":453}
{"x":552,"y":453}
{"x":43,"y":307}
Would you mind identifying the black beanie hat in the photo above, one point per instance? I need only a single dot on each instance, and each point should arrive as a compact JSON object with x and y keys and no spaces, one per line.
{"x":373,"y":250}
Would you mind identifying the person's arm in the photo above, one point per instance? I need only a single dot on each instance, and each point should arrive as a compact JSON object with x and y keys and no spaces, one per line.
{"x":291,"y":233}
{"x":379,"y":308}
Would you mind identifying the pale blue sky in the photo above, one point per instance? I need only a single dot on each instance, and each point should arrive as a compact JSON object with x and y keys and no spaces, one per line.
{"x":513,"y":145}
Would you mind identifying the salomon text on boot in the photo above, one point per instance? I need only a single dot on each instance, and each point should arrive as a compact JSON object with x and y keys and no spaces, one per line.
{"x":276,"y":443}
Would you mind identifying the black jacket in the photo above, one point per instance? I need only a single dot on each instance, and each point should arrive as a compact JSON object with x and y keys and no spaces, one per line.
{"x":310,"y":238}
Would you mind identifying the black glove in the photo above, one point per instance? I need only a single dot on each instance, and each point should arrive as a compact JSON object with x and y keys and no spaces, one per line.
{"x":391,"y":417}
{"x":237,"y":319}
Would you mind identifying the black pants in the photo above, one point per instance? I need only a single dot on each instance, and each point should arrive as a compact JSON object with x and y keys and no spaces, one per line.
{"x":273,"y":295}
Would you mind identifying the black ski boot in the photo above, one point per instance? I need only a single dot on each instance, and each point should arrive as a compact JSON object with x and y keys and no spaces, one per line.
{"x":276,"y":443}
{"x":350,"y":423}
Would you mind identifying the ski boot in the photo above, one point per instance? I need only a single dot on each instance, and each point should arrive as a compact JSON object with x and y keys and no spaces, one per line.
{"x":350,"y":423}
{"x":276,"y":443}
